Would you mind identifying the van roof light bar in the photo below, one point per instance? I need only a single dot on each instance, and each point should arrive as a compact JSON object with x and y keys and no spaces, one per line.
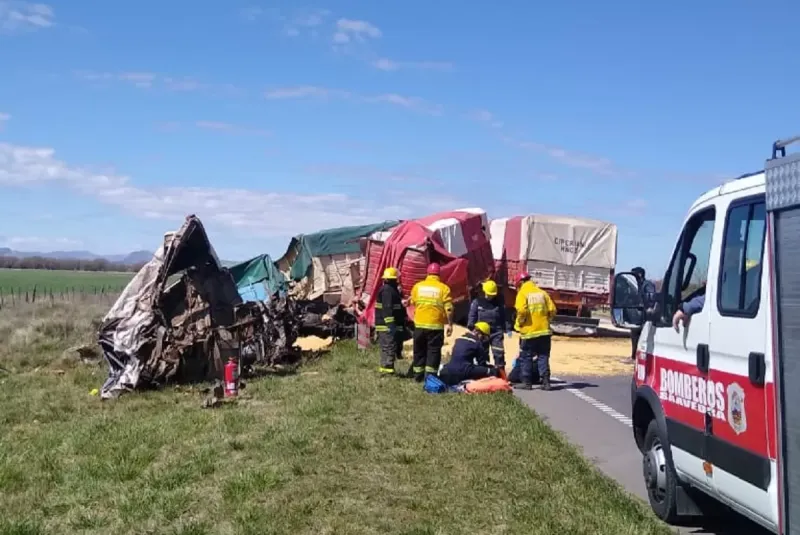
{"x":780,"y":146}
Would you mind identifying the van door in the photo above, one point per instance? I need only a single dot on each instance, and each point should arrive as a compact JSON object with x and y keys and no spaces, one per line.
{"x":676,"y":353}
{"x":737,"y":442}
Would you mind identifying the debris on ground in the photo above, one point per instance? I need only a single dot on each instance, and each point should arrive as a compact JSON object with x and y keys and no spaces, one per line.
{"x":84,"y":354}
{"x":181,"y":318}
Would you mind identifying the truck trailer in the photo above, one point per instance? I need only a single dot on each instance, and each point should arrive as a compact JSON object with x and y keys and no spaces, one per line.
{"x":572,"y":258}
{"x":457,"y":240}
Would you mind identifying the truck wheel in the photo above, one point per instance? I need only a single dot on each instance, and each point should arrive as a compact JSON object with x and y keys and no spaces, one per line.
{"x":660,"y":479}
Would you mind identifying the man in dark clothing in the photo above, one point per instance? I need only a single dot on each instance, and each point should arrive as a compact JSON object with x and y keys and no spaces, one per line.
{"x":390,"y":321}
{"x":490,"y":309}
{"x":647,"y":293}
{"x":470,"y":359}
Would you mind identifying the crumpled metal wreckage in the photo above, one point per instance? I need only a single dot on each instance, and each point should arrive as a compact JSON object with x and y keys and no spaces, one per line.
{"x":181,"y":318}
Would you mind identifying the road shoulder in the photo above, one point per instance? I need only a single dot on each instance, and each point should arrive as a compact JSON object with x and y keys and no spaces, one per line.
{"x":604,"y":440}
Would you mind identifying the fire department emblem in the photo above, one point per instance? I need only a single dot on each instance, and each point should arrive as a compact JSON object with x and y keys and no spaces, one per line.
{"x":737,"y":418}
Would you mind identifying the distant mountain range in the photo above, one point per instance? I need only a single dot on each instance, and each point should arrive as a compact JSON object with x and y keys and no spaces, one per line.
{"x":130,"y":259}
{"x":136,"y":257}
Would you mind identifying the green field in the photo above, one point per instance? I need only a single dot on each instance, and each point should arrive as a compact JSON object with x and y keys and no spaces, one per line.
{"x":59,"y":281}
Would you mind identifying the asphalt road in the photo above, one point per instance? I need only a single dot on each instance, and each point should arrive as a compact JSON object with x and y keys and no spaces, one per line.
{"x":594,"y":414}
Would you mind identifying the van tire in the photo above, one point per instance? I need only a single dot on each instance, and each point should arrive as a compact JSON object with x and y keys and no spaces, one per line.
{"x":661,"y":481}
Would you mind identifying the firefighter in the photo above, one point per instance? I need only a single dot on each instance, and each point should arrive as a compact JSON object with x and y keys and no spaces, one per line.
{"x":534,"y":310}
{"x":433,"y":309}
{"x":470,"y":359}
{"x":491,"y":309}
{"x":390,"y":321}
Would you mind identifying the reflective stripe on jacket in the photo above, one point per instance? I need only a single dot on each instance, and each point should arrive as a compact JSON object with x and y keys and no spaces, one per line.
{"x":535,"y":309}
{"x":468,"y":350}
{"x":432,"y":302}
{"x":492,"y":311}
{"x":389,"y":309}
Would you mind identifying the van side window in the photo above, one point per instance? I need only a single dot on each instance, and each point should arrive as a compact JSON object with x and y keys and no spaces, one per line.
{"x":687,"y":274}
{"x":742,"y":254}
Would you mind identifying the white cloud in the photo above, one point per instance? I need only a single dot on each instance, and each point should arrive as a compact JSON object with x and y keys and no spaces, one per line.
{"x":231,"y":128}
{"x":304,"y":92}
{"x":349,"y":30}
{"x":349,"y":36}
{"x":305,"y":20}
{"x":256,"y":212}
{"x":217,"y":126}
{"x":293,"y":23}
{"x":4,"y":118}
{"x":597,"y":164}
{"x":410,"y":103}
{"x":386,"y":64}
{"x":486,"y":117}
{"x":28,"y":243}
{"x":17,"y":16}
{"x":150,"y":80}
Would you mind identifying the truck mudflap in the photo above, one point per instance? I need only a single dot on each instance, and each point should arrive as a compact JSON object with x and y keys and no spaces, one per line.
{"x":782,"y":173}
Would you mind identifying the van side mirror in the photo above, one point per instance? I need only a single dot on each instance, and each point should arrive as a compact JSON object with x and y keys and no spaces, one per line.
{"x":627,"y":307}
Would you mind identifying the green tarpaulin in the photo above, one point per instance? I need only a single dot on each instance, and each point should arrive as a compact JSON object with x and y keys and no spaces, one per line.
{"x":259,"y":271}
{"x":335,"y":241}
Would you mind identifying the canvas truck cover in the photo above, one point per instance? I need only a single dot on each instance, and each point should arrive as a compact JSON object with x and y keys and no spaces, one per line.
{"x":568,"y":241}
{"x":258,"y":278}
{"x":335,"y":241}
{"x":458,"y":240}
{"x":328,"y":263}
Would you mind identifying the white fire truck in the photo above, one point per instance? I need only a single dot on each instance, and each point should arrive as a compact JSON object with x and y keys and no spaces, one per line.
{"x":714,"y":398}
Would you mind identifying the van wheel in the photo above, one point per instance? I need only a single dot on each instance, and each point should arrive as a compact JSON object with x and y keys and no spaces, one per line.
{"x":660,"y":479}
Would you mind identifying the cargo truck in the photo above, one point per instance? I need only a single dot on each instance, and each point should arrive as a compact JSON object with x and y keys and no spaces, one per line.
{"x":572,"y":258}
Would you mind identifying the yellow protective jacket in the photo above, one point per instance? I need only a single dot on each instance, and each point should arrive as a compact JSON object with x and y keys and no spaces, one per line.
{"x":535,"y":309}
{"x":432,"y":302}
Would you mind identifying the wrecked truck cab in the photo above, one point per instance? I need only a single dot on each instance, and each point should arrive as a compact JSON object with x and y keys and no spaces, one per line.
{"x":181,"y":317}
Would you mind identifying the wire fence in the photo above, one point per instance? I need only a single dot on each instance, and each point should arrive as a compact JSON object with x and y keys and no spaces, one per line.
{"x":17,"y":296}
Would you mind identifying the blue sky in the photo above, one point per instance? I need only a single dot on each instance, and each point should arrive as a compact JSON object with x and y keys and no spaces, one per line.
{"x":273,"y":118}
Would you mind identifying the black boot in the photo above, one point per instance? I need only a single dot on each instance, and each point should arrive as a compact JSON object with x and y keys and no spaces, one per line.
{"x":546,"y":381}
{"x":523,"y":386}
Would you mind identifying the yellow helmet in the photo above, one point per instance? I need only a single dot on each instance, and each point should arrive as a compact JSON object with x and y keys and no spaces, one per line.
{"x":390,"y":273}
{"x":489,"y":288}
{"x":482,"y":327}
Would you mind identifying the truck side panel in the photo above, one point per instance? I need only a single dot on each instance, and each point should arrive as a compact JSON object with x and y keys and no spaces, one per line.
{"x":571,"y":287}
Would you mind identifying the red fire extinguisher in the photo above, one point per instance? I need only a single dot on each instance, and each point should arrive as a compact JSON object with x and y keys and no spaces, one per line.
{"x":232,"y":378}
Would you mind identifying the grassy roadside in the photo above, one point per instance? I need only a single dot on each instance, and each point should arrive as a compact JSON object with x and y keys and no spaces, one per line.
{"x":333,"y":449}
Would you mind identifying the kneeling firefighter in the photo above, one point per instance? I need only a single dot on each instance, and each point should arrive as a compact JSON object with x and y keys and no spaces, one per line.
{"x":490,"y":309}
{"x":390,"y":321}
{"x":470,"y":358}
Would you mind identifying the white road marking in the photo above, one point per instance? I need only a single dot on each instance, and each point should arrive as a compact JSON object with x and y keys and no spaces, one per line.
{"x":618,"y":416}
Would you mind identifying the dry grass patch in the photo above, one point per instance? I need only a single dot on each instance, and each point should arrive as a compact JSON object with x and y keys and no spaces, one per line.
{"x":571,"y":356}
